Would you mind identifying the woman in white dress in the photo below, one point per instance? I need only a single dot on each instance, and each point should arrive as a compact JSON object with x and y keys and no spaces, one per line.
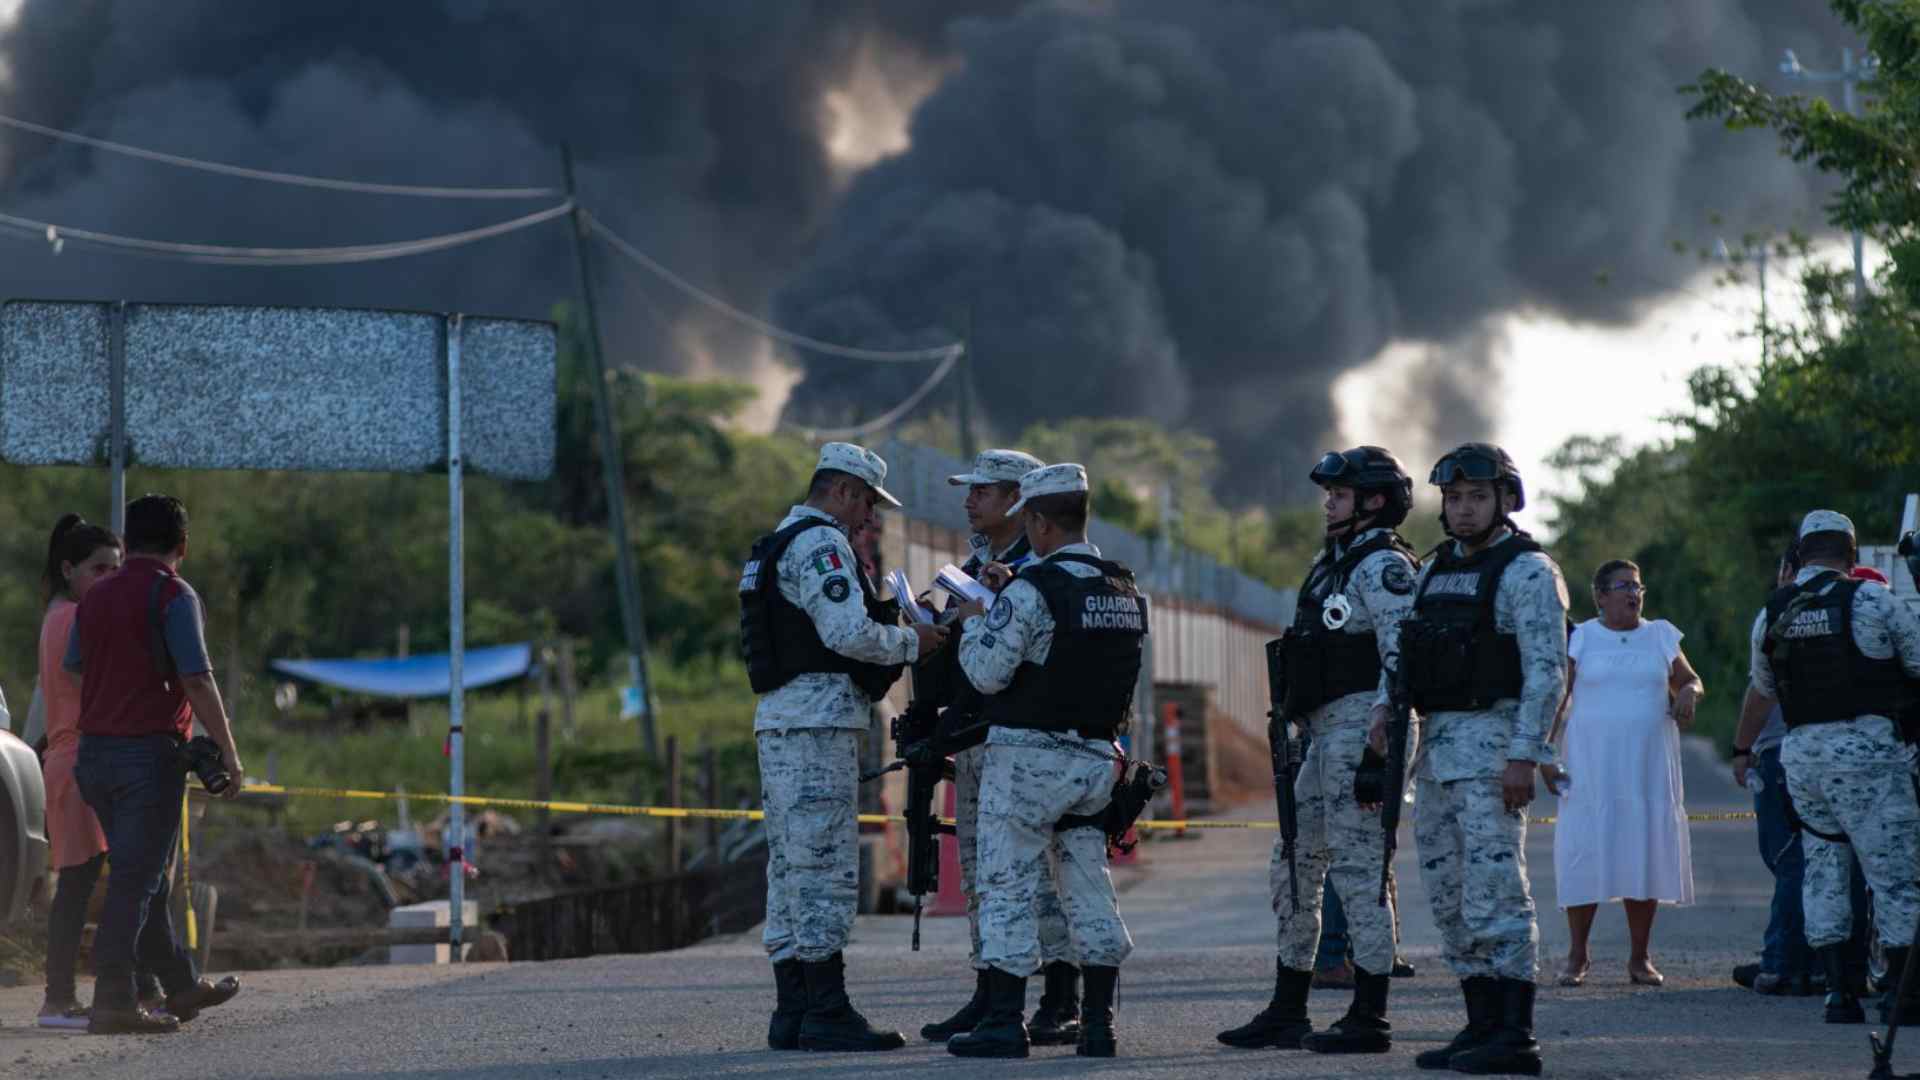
{"x":1622,"y":832}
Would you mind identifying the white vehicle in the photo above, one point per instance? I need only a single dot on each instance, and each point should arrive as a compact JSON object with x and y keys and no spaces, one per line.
{"x":23,"y":828}
{"x":1887,"y":559}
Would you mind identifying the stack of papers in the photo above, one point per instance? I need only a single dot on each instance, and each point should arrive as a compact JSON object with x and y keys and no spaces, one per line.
{"x":961,"y":584}
{"x":903,"y":592}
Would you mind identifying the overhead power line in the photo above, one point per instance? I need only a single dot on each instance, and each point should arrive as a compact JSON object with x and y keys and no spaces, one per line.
{"x":269,"y":176}
{"x":220,"y":255}
{"x":886,"y":419}
{"x":653,"y":266}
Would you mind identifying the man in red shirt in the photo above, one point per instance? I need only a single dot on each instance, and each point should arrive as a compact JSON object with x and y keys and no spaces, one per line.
{"x":140,"y":648}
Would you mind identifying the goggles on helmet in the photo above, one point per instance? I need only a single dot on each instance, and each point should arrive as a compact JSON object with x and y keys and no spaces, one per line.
{"x":1333,"y":465}
{"x":1466,"y":466}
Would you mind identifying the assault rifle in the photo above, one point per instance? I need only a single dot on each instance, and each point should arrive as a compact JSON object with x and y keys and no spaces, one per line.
{"x":1393,"y":787}
{"x":1286,"y":765}
{"x":913,"y":740}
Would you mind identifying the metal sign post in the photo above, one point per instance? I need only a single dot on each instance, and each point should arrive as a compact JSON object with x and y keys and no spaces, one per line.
{"x":456,"y":651}
{"x":117,"y":420}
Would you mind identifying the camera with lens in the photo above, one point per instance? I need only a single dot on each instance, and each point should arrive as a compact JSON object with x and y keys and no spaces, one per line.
{"x":202,"y":758}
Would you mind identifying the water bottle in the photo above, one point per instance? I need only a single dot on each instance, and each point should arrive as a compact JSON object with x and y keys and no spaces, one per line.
{"x":1754,"y":783}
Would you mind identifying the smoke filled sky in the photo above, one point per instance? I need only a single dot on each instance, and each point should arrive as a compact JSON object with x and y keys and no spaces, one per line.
{"x":1209,"y":213}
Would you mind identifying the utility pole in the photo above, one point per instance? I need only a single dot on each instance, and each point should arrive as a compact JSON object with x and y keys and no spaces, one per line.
{"x":1849,"y":75}
{"x":613,"y":470}
{"x":1758,"y":253}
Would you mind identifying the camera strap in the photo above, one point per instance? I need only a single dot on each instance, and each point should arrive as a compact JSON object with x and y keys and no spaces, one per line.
{"x":157,"y":626}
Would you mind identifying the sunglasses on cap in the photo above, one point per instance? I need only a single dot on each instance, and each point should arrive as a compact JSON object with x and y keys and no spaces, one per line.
{"x":1464,"y":467}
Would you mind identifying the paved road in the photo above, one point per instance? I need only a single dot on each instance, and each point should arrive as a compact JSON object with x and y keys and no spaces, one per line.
{"x":1204,"y":962}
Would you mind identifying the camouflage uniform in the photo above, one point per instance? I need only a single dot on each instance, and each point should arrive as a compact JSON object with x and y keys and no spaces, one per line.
{"x":1337,"y":839}
{"x":1473,"y":852}
{"x":1854,"y":778}
{"x":807,"y":732}
{"x":1030,"y":781}
{"x":968,"y":765}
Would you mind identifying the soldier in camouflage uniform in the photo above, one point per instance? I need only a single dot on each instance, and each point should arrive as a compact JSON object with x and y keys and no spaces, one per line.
{"x":820,"y":648}
{"x":1058,"y":656}
{"x":1346,"y":630}
{"x":999,"y":539}
{"x":1486,"y":649}
{"x":1832,"y":651}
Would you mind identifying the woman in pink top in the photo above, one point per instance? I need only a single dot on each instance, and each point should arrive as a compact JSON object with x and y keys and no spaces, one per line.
{"x":78,"y":555}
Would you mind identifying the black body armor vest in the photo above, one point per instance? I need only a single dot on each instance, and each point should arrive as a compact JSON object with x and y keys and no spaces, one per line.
{"x":778,"y":640}
{"x":1086,"y":685}
{"x":1325,"y":665}
{"x":1456,"y":658}
{"x":1819,"y":670}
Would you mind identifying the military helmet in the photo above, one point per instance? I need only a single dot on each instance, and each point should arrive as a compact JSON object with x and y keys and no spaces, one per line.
{"x":1367,"y":470}
{"x":1479,"y":461}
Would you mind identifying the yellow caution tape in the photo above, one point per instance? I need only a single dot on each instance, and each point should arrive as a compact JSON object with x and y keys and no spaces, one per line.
{"x":186,"y":860}
{"x":687,"y":812}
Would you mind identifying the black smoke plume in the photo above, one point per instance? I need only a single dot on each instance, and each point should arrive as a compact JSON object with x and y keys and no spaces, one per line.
{"x":699,"y":130}
{"x":1205,"y":212}
{"x":1201,"y":211}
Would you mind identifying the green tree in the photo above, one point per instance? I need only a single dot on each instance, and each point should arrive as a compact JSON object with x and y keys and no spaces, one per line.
{"x":1825,"y":421}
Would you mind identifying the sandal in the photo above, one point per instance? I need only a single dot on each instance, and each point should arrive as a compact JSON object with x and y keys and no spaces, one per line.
{"x":1649,"y":977}
{"x":1570,"y":977}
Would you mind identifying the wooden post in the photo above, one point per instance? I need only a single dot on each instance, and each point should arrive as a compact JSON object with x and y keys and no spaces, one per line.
{"x":673,"y":799}
{"x":543,"y":758}
{"x":710,"y":794}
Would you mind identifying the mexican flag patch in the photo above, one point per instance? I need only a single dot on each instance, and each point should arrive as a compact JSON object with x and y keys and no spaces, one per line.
{"x":826,"y":561}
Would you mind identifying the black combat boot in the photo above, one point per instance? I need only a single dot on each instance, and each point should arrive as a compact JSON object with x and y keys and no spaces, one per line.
{"x":1909,"y":1008}
{"x":832,"y":1023}
{"x":1283,"y":1023}
{"x":1843,"y":1007}
{"x":1000,"y":1034}
{"x":1096,"y":1012}
{"x":1482,"y":993}
{"x":1511,"y":1050}
{"x":1057,"y":1021}
{"x":964,"y":1020}
{"x":1364,"y":1030}
{"x":790,"y":984}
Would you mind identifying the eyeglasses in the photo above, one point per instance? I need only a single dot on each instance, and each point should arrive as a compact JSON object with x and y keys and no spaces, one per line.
{"x":1464,"y":467}
{"x":1631,"y":588}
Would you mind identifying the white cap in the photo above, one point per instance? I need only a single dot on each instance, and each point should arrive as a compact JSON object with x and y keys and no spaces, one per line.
{"x":857,"y":461}
{"x":1825,"y":521}
{"x":1063,"y":479}
{"x":998,"y":467}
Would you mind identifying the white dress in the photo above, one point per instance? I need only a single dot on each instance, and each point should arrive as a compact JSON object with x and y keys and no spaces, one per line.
{"x":1622,"y":832}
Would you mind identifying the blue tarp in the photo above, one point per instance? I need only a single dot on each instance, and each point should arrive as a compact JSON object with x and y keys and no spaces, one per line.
{"x":425,"y":676}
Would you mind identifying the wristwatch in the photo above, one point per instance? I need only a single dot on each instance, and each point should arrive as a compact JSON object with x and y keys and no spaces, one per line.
{"x":1748,"y":752}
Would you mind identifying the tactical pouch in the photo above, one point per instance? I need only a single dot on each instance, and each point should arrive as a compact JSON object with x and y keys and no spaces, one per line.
{"x":1323,"y":667}
{"x":1439,"y":661}
{"x":1305,"y":666}
{"x":1132,"y":793}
